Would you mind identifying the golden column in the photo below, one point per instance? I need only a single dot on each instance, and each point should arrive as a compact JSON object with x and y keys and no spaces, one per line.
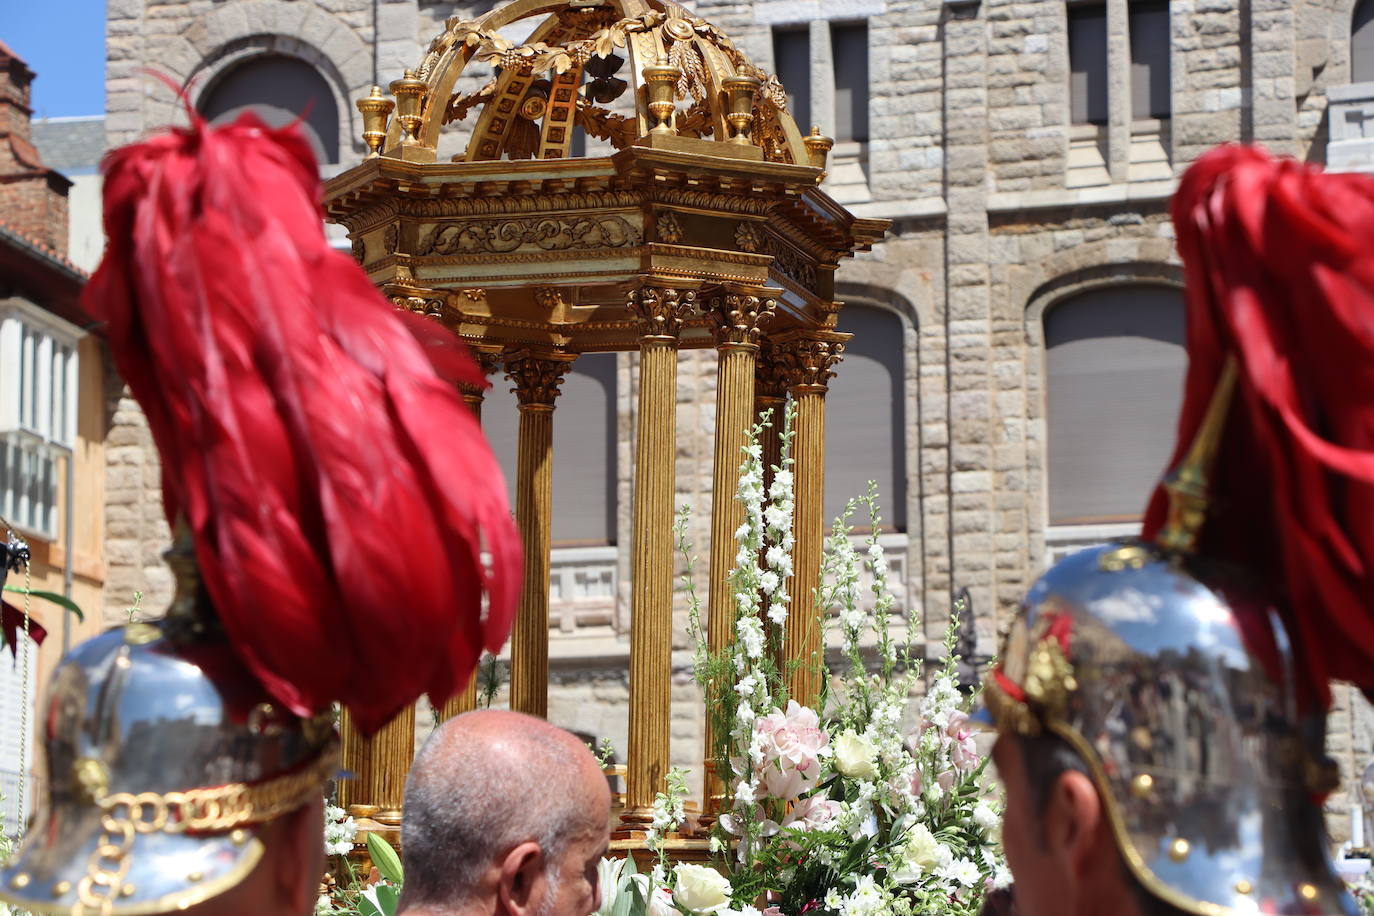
{"x":537,"y":376}
{"x":805,"y":360}
{"x":661,"y":311}
{"x":738,"y":317}
{"x":379,"y":765}
{"x":489,"y":361}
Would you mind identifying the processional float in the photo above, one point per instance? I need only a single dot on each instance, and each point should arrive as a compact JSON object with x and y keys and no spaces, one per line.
{"x":705,"y":227}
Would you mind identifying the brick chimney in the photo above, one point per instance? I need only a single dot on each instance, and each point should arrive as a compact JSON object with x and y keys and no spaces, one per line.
{"x":33,"y":197}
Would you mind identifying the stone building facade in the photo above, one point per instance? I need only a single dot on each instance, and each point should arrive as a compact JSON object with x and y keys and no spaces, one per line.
{"x":1015,"y":374}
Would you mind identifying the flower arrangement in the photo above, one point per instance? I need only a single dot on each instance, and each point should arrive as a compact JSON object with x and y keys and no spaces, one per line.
{"x":375,"y":894}
{"x":836,"y":811}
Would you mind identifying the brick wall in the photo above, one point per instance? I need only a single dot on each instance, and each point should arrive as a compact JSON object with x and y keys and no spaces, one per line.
{"x":33,"y":198}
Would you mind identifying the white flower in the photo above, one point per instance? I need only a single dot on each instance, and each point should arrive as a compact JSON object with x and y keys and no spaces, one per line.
{"x":769,"y":582}
{"x":984,"y":816}
{"x":339,"y":831}
{"x":960,"y":871}
{"x":855,"y":756}
{"x":744,"y":792}
{"x":833,"y":900}
{"x":778,"y":518}
{"x":750,"y":632}
{"x":920,"y":854}
{"x":777,"y":612}
{"x":868,"y":899}
{"x":701,"y":889}
{"x":323,"y":907}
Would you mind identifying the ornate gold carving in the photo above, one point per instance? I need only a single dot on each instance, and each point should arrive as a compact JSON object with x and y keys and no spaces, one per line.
{"x":666,"y":226}
{"x":549,"y":297}
{"x":748,"y":237}
{"x":92,"y":776}
{"x":459,"y":105}
{"x":359,"y":249}
{"x":474,"y":294}
{"x":739,"y":318}
{"x":430,"y":307}
{"x":695,"y":121}
{"x":770,"y":382}
{"x":549,"y":233}
{"x":661,"y":310}
{"x":806,"y":361}
{"x":536,"y":377}
{"x":390,"y":237}
{"x":601,"y":123}
{"x":792,"y":263}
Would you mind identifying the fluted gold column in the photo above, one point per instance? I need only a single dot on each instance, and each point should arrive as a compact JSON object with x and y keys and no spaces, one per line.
{"x":536,"y":377}
{"x":379,"y":765}
{"x":806,"y":360}
{"x":738,"y":317}
{"x":489,"y":361}
{"x":661,"y":310}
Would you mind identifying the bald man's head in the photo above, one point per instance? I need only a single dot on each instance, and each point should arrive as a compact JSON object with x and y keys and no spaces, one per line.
{"x":503,"y":808}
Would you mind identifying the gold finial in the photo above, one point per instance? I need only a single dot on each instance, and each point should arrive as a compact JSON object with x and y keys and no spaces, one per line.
{"x":1187,"y":484}
{"x":1179,"y":849}
{"x":410,"y":102}
{"x":739,"y":111}
{"x":376,"y":111}
{"x":660,"y":79}
{"x":818,"y":147}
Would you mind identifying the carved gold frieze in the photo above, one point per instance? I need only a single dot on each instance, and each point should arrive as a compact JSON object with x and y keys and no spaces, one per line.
{"x":748,"y":237}
{"x":548,"y":233}
{"x":667,"y":228}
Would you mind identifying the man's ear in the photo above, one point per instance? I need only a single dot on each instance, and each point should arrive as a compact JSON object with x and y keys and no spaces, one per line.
{"x":1074,"y":819}
{"x":520,"y":885}
{"x":300,"y":864}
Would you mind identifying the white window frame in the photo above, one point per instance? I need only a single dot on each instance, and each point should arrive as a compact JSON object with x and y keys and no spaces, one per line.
{"x":39,"y":380}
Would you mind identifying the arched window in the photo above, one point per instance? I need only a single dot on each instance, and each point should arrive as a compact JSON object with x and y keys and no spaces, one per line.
{"x":1114,"y":368}
{"x":1362,"y":43}
{"x":865,"y":417}
{"x":584,"y":448}
{"x":279,"y":90}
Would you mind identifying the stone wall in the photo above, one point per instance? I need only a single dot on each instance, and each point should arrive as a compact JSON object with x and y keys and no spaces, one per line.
{"x":970,"y":153}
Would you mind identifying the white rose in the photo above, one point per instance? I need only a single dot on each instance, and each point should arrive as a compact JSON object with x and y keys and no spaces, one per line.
{"x":855,"y":756}
{"x":984,"y":816}
{"x":920,"y":853}
{"x":701,"y":889}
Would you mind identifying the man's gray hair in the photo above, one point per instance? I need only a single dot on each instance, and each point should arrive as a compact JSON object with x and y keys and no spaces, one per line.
{"x":475,"y":793}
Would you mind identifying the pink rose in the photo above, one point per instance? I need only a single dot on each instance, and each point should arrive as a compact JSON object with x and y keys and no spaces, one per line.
{"x":773,"y":910}
{"x":958,"y":740}
{"x":946,"y":780}
{"x":812,"y":813}
{"x":791,"y":747}
{"x":917,"y":782}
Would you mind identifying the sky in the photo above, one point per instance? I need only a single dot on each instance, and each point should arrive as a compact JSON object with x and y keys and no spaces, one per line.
{"x":63,"y":41}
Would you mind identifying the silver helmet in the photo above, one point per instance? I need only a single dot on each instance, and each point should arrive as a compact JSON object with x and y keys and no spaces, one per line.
{"x":1135,"y":657}
{"x":164,"y":758}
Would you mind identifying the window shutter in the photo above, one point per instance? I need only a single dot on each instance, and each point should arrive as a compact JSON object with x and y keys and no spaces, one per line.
{"x":865,"y":417}
{"x":1114,"y":367}
{"x":279,"y":90}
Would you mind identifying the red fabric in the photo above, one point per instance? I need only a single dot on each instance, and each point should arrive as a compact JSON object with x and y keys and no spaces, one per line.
{"x":12,"y":622}
{"x":340,"y":492}
{"x":1279,"y":260}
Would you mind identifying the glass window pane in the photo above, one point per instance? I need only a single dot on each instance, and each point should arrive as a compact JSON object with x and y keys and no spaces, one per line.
{"x":1088,"y":63}
{"x":792,"y":60}
{"x":1362,"y":43}
{"x":1149,"y":24}
{"x":849,"y":50}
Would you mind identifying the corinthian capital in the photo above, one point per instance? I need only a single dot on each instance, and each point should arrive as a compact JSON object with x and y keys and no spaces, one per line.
{"x":537,"y":376}
{"x":661,"y":310}
{"x":806,"y":360}
{"x":739,"y":317}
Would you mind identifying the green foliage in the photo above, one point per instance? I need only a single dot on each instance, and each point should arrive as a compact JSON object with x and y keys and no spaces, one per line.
{"x":385,"y":858}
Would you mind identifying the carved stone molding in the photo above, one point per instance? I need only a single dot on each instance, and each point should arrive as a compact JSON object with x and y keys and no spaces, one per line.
{"x":739,"y":318}
{"x":537,"y":377}
{"x":806,"y":361}
{"x":661,"y":310}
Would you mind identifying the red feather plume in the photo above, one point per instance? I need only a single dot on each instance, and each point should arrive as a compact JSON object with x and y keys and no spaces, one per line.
{"x":340,"y":493}
{"x":1279,"y":260}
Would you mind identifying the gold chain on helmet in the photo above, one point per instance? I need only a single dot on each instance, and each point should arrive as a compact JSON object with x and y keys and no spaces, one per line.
{"x":211,"y":810}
